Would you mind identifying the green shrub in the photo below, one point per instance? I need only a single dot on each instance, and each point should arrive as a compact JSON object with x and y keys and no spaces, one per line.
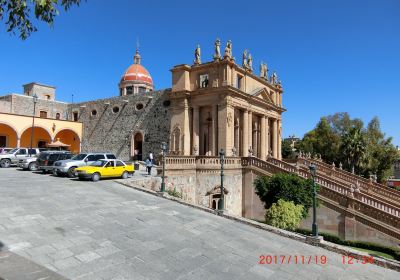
{"x":288,"y":187}
{"x":284,"y":214}
{"x":394,"y":252}
{"x":174,"y":193}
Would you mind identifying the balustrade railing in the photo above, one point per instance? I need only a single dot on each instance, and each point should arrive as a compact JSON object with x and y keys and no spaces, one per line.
{"x":364,"y":184}
{"x":366,"y":204}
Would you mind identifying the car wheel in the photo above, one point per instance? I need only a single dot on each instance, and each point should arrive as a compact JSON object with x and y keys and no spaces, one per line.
{"x":71,"y":172}
{"x":5,"y":163}
{"x":44,"y":171}
{"x":32,"y":166}
{"x":124,"y":175}
{"x":95,"y":177}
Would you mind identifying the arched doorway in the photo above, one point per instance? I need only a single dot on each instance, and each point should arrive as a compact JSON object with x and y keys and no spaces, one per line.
{"x":8,"y":136}
{"x":40,"y":138}
{"x":137,"y":145}
{"x":69,"y":137}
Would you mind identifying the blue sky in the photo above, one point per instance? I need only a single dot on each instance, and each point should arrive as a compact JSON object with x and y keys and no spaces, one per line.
{"x":332,"y":56}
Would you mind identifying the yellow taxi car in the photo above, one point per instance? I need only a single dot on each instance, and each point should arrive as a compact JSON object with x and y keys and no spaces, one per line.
{"x":104,"y":168}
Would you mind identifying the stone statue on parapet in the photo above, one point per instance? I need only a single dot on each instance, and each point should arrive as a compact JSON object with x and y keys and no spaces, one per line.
{"x":250,"y":62}
{"x":228,"y":49}
{"x":234,"y":151}
{"x":197,"y":54}
{"x":217,"y":52}
{"x":274,"y":78}
{"x":244,"y":59}
{"x":263,"y":71}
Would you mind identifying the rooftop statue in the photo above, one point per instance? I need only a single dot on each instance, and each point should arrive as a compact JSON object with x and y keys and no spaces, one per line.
{"x":250,"y":62}
{"x":228,"y":49}
{"x":274,"y":78}
{"x":262,"y":70}
{"x":244,"y":59}
{"x":197,"y":54}
{"x":217,"y":52}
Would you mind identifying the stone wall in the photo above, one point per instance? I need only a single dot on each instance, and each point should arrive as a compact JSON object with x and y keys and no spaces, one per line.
{"x":5,"y":104}
{"x":23,"y":105}
{"x":196,"y":187}
{"x":346,"y":227}
{"x":110,"y":124}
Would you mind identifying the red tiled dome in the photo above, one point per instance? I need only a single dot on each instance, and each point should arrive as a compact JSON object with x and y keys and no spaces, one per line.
{"x":137,"y":72}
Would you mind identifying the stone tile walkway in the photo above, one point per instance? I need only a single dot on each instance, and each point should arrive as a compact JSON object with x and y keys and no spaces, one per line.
{"x":86,"y":230}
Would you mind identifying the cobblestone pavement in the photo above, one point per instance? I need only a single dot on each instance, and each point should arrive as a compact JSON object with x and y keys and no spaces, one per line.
{"x":86,"y":230}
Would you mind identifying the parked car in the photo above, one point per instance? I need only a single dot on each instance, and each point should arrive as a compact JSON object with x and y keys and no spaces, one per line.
{"x":13,"y":156}
{"x":46,"y":160}
{"x":5,"y":150}
{"x":68,"y":166}
{"x":104,"y":168}
{"x":28,"y":163}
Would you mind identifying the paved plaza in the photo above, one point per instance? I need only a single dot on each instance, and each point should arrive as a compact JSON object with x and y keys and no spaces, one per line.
{"x":57,"y":228}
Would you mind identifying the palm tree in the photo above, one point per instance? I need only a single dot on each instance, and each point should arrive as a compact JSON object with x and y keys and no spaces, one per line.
{"x":354,"y":147}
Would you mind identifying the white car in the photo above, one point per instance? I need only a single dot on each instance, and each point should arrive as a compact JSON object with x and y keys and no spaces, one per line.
{"x":13,"y":156}
{"x":28,"y":163}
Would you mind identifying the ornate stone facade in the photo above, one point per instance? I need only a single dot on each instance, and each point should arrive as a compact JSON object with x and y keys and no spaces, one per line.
{"x":220,"y":105}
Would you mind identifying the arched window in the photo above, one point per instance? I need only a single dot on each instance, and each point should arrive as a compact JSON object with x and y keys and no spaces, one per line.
{"x":57,"y":116}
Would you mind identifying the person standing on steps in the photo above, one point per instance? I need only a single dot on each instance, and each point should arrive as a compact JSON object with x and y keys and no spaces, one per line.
{"x":149,"y":165}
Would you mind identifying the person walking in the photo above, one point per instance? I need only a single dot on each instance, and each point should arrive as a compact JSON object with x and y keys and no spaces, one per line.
{"x":151,"y":157}
{"x":149,"y":165}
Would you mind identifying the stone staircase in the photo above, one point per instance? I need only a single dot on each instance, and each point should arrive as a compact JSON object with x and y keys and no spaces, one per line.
{"x":369,"y":203}
{"x":357,"y":182}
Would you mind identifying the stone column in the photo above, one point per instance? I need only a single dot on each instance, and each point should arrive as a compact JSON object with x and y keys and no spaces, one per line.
{"x":186,"y":130}
{"x":214,"y":116}
{"x":18,"y":142}
{"x":279,"y":135}
{"x":263,"y":138}
{"x":266,"y":136}
{"x":225,"y":128}
{"x":255,"y":136}
{"x":275,"y":138}
{"x":245,"y":140}
{"x":250,"y":131}
{"x":196,"y":132}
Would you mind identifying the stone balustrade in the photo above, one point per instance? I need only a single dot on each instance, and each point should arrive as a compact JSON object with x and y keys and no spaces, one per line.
{"x":201,"y":162}
{"x":362,"y":203}
{"x":366,"y":186}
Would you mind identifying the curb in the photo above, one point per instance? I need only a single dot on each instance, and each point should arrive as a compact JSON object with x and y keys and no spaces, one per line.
{"x":357,"y":255}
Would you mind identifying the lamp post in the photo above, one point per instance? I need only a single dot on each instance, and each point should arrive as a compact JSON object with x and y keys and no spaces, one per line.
{"x":222,"y":159}
{"x":313,"y":171}
{"x":163,"y":149}
{"x":35,"y":98}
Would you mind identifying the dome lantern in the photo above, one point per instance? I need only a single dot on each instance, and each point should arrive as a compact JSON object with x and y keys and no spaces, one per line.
{"x":136,"y":79}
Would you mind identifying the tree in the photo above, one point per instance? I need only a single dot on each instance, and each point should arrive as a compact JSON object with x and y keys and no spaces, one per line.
{"x":18,"y":13}
{"x":322,"y":140}
{"x":381,"y":153}
{"x":338,"y":138}
{"x":284,"y":214}
{"x":354,"y":148}
{"x":288,"y":187}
